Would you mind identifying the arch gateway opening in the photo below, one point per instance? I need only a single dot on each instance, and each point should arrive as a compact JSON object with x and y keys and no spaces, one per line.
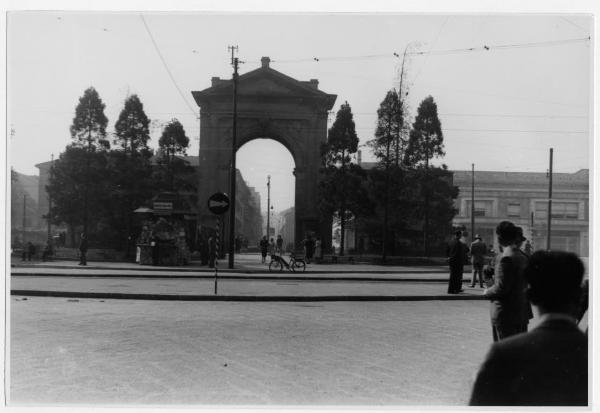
{"x":274,"y":106}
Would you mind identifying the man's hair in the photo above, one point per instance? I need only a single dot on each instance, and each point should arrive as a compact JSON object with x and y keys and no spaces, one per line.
{"x":508,"y":233}
{"x":554,"y":279}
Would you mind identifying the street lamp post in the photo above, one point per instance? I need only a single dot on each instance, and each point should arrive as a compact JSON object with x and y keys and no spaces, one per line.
{"x":268,"y":205}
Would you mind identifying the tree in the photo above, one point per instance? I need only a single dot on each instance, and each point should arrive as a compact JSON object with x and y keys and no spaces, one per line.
{"x":130,"y":170}
{"x":341,"y":191}
{"x":77,"y":174}
{"x":389,"y":147}
{"x":426,"y":142}
{"x":173,"y":141}
{"x":389,"y":144}
{"x":132,"y":127}
{"x":89,"y":123}
{"x":89,"y":131}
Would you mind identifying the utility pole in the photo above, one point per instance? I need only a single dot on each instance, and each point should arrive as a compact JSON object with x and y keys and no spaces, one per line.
{"x":232,"y":175}
{"x":549,"y":202}
{"x":268,"y":205}
{"x":24,"y":214}
{"x":426,"y":212}
{"x":472,"y":201}
{"x":87,"y":181}
{"x":50,"y":202}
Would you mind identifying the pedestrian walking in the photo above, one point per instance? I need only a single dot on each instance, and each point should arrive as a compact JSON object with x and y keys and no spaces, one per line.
{"x":309,"y":248}
{"x":478,"y":254}
{"x":30,"y":250}
{"x":528,"y":248}
{"x":83,"y":248}
{"x":456,"y":252}
{"x":272,"y":247}
{"x":318,"y":250}
{"x":155,"y":250}
{"x":547,"y":366}
{"x":510,"y":308}
{"x":264,"y":247}
{"x":279,"y":244}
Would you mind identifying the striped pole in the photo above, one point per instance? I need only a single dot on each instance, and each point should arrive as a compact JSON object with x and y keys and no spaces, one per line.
{"x":217,"y":251}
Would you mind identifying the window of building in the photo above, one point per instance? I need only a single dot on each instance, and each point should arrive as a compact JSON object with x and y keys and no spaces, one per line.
{"x":560,"y":210}
{"x":514,"y":210}
{"x":565,"y":210}
{"x":482,"y":208}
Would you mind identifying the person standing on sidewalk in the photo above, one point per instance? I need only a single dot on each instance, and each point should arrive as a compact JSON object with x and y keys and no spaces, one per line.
{"x":83,"y":247}
{"x":279,"y":244}
{"x":478,"y":253}
{"x":456,"y":252}
{"x":510,"y":308}
{"x":264,"y":247}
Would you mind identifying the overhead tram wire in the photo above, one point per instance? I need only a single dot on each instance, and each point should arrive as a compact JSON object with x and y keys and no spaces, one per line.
{"x":484,"y":48}
{"x":164,"y":62}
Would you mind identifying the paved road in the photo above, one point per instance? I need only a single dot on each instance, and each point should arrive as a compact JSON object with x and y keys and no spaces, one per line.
{"x":151,"y":352}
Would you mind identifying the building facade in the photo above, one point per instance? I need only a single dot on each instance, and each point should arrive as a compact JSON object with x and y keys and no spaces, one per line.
{"x":522,"y":198}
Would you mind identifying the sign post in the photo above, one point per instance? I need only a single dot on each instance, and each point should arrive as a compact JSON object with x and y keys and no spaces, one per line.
{"x":218,"y":204}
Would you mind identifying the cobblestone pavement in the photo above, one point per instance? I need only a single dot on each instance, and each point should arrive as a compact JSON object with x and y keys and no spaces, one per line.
{"x":150,"y":352}
{"x":233,"y":287}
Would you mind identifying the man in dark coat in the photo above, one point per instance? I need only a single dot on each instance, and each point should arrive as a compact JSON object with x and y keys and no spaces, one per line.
{"x":478,"y":253}
{"x":212,"y":251}
{"x":547,"y":366}
{"x":456,"y":253}
{"x":83,"y":247}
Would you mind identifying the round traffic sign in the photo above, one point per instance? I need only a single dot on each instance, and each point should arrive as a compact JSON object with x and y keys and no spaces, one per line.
{"x":218,"y":203}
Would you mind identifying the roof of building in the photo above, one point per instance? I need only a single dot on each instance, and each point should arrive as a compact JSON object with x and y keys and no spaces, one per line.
{"x":224,"y":86}
{"x":580,"y":177}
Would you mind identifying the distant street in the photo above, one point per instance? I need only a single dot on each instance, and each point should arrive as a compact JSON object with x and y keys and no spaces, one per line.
{"x":124,"y":351}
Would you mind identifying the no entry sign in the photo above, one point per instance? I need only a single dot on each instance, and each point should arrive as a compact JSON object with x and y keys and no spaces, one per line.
{"x":218,"y":203}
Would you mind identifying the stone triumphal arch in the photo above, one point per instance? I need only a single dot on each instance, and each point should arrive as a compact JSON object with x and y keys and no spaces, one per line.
{"x":270,"y":105}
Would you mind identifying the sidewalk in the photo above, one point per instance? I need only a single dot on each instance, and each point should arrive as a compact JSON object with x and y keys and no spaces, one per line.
{"x":244,"y":264}
{"x":249,"y":281}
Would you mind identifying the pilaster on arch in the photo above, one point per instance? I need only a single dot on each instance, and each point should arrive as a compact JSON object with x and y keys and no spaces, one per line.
{"x":274,"y":106}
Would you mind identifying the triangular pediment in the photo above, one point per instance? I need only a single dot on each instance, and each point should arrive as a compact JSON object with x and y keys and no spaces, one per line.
{"x":263,"y":81}
{"x":264,"y":84}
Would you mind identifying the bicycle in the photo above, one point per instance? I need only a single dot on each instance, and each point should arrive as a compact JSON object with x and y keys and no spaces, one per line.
{"x":296,"y":264}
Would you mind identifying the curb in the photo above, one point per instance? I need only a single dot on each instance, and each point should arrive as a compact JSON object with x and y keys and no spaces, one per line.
{"x":177,"y":297}
{"x":232,"y":271}
{"x":235,"y":277}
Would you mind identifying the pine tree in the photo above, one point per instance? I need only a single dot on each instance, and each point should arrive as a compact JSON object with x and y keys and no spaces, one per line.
{"x":173,"y":141}
{"x":89,"y":131}
{"x":130,"y":169}
{"x":89,"y":124}
{"x":341,"y":188}
{"x":389,"y":146}
{"x":426,"y":142}
{"x":132,"y":127}
{"x":426,"y":138}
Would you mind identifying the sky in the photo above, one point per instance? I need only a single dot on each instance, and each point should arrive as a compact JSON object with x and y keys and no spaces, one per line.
{"x":501,"y":108}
